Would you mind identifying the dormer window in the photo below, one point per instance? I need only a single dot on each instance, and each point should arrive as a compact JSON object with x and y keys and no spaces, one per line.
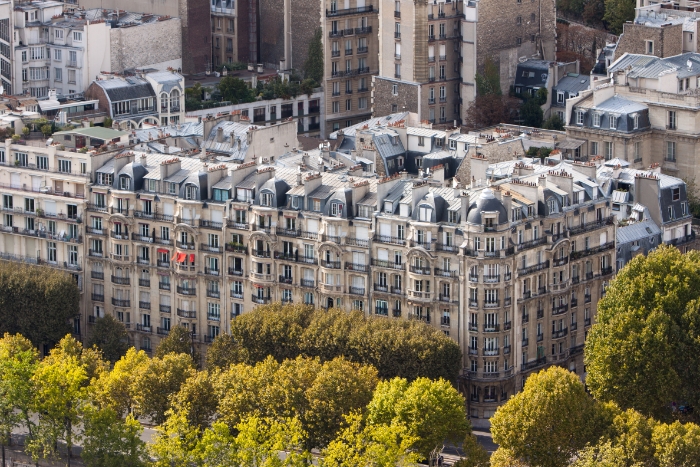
{"x":172,"y":188}
{"x":452,"y":217}
{"x":635,"y":121}
{"x":596,"y":119}
{"x":552,"y":205}
{"x":316,"y":205}
{"x":190,"y":192}
{"x":364,"y":211}
{"x":489,"y":223}
{"x":244,"y":195}
{"x":579,"y":117}
{"x":425,"y":214}
{"x":388,"y":207}
{"x":265,"y":199}
{"x":560,"y":97}
{"x":104,"y":179}
{"x":295,"y":202}
{"x":336,"y":209}
{"x":124,"y":182}
{"x":676,"y":194}
{"x":613,"y":122}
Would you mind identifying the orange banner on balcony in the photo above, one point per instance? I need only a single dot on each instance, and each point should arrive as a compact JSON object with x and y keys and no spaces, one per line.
{"x":163,"y":250}
{"x":181,"y":257}
{"x":192,"y":259}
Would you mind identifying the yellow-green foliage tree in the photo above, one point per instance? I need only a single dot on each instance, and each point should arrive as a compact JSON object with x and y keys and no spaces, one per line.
{"x":407,"y":349}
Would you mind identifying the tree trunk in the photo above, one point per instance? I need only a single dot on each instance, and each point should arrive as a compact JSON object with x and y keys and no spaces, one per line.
{"x":3,"y":455}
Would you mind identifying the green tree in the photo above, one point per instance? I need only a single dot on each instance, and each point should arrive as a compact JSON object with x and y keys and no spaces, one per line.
{"x":360,"y":444}
{"x":617,"y":12}
{"x":531,"y":113}
{"x":110,"y":441}
{"x":432,"y":411}
{"x":260,"y":441}
{"x":691,"y":189}
{"x":178,"y":340}
{"x":162,"y":378}
{"x":111,"y":337}
{"x":604,"y":454}
{"x":677,"y":444}
{"x":18,"y":361}
{"x":235,"y":90}
{"x":198,"y":397}
{"x":643,"y":352}
{"x":474,"y":454}
{"x":225,"y":351}
{"x":60,"y":391}
{"x":108,"y":121}
{"x":553,"y":123}
{"x":37,"y":302}
{"x":313,"y":67}
{"x":117,"y":388}
{"x":25,"y":131}
{"x":488,"y":82}
{"x":175,"y":442}
{"x":46,"y":130}
{"x":548,"y":421}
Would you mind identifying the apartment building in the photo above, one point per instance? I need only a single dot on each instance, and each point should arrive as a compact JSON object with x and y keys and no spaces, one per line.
{"x":351,"y":57}
{"x":44,"y":199}
{"x":224,"y":29}
{"x":643,"y":115}
{"x":510,"y":263}
{"x":420,"y":60}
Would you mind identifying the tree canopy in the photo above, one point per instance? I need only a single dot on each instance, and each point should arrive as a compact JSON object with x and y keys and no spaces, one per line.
{"x":313,"y":68}
{"x":235,"y":90}
{"x":408,"y":349}
{"x":110,"y":336}
{"x":37,"y":302}
{"x":548,"y":421}
{"x":643,"y":352}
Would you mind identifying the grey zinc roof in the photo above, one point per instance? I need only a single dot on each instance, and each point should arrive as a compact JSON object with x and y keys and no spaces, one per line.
{"x":637,"y":231}
{"x":122,"y":89}
{"x":386,"y":147}
{"x":224,"y":184}
{"x":645,"y":66}
{"x":573,"y":83}
{"x":373,"y":122}
{"x":620,"y":105}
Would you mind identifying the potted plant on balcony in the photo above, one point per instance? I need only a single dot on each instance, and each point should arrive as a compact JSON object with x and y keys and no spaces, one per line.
{"x":40,"y":212}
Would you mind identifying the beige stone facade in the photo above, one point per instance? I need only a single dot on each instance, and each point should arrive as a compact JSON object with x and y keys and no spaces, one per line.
{"x":350,"y":60}
{"x":224,"y":32}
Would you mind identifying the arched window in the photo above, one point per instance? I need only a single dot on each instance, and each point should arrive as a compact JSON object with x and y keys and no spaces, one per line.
{"x":175,"y":100}
{"x":163,"y":102}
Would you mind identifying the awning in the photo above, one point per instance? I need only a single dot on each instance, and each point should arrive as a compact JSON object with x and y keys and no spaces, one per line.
{"x":258,"y":286}
{"x":163,"y":250}
{"x":192,"y":258}
{"x":174,"y":256}
{"x":181,"y":257}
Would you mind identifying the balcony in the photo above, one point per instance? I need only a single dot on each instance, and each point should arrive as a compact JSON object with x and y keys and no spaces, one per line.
{"x":492,"y":304}
{"x":94,"y":231}
{"x":531,"y":243}
{"x":238,"y":294}
{"x":286,"y":280}
{"x":307,"y":283}
{"x":534,"y":268}
{"x":235,"y":272}
{"x":144,"y":282}
{"x":381,"y":288}
{"x":591,"y":226}
{"x":164,"y":308}
{"x":163,"y":264}
{"x":145,"y":305}
{"x":560,"y":333}
{"x":261,"y":300}
{"x":332,"y":13}
{"x":121,"y":280}
{"x":587,"y":298}
{"x":356,"y":267}
{"x":212,"y":293}
{"x":491,"y":327}
{"x":98,"y":297}
{"x":330,"y":264}
{"x":445,"y":273}
{"x":186,"y":290}
{"x":261,"y":277}
{"x":234,"y":248}
{"x":261,"y":253}
{"x":121,"y":302}
{"x":492,"y":279}
{"x":446,"y":298}
{"x":560,"y":309}
{"x":144,"y":328}
{"x":164,"y":285}
{"x":237,"y":225}
{"x":534,"y":364}
{"x":97,"y":275}
{"x":211,"y":272}
{"x":606,"y":271}
{"x":419,"y":270}
{"x":420,"y":294}
{"x":389,"y":240}
{"x":592,"y":251}
{"x":211,"y":248}
{"x":387,"y":264}
{"x":447,"y":248}
{"x":185,"y":246}
{"x":335,"y":53}
{"x":162,"y":331}
{"x":424,"y":245}
{"x":526,"y":319}
{"x":186,"y":313}
{"x":356,"y":290}
{"x":96,"y":207}
{"x":352,"y":241}
{"x":213,"y":317}
{"x":288,"y":232}
{"x":560,"y":261}
{"x":526,"y":341}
